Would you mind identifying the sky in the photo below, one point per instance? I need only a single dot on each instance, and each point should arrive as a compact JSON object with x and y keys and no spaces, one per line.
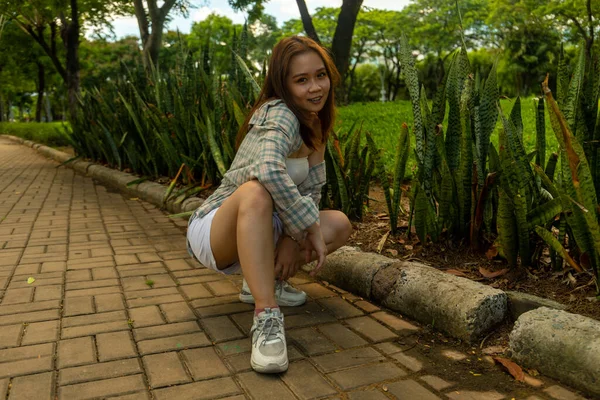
{"x":282,"y":10}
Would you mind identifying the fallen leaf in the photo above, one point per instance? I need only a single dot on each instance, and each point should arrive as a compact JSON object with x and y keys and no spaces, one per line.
{"x":381,"y":215}
{"x":492,"y":274}
{"x":492,"y":252}
{"x":134,"y":198}
{"x":533,"y":381}
{"x":456,"y":272}
{"x":408,"y":247}
{"x":571,"y":279}
{"x":494,"y":350}
{"x":393,"y":252}
{"x":512,"y":368}
{"x":385,"y":388}
{"x":30,"y":280}
{"x":382,"y":241}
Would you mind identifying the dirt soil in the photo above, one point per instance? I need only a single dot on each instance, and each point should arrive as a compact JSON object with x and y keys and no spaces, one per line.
{"x":575,"y":290}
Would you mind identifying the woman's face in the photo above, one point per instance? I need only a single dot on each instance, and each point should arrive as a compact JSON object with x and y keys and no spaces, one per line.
{"x":308,"y":82}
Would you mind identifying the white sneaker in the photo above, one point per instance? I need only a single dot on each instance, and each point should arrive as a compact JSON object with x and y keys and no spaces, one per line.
{"x":285,"y":294}
{"x":269,"y":350}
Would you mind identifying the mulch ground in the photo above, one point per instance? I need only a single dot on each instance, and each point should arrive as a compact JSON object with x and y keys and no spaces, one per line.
{"x":574,"y":290}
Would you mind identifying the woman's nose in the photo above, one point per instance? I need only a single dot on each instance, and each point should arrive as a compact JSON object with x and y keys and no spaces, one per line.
{"x":314,"y":86}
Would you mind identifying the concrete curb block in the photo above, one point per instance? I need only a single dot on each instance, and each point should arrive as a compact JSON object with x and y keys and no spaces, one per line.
{"x":151,"y":192}
{"x":463,"y":308}
{"x":559,"y":344}
{"x":458,"y":306}
{"x":354,"y":274}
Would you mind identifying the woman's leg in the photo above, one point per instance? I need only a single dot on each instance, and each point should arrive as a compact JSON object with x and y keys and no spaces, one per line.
{"x":242,"y":229}
{"x":336,"y":229}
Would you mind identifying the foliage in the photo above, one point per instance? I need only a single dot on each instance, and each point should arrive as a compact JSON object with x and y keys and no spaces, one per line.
{"x":382,"y":120}
{"x":51,"y":134}
{"x":102,"y":61}
{"x":350,"y":167}
{"x":393,"y":193}
{"x":154,"y":124}
{"x":465,"y":186}
{"x":577,"y":129}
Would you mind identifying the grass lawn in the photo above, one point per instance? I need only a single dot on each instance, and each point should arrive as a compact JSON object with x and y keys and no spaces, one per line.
{"x":48,"y":133}
{"x":383,"y":120}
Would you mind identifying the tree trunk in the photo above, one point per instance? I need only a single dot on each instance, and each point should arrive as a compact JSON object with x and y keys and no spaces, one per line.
{"x":151,"y":41}
{"x":309,"y":28}
{"x":342,"y":39}
{"x":40,"y":90}
{"x":49,"y":117}
{"x":72,"y":43}
{"x":590,"y":40}
{"x":359,"y":54}
{"x":152,"y":47}
{"x":2,"y":115}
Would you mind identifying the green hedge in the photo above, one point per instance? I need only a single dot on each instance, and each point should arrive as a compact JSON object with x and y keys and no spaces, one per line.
{"x":48,"y":133}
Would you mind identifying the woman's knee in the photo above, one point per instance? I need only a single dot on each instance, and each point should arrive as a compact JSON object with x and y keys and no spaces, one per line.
{"x":342,"y":227}
{"x":345,"y":227}
{"x":255,"y":198}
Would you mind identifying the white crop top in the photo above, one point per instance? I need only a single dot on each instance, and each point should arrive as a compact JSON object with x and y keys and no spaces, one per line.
{"x":297,"y":169}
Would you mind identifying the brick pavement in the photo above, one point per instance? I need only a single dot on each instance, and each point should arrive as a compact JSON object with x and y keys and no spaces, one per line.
{"x":118,"y":310}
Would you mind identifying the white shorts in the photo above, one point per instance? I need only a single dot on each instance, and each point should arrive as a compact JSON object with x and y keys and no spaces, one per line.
{"x":198,"y":236}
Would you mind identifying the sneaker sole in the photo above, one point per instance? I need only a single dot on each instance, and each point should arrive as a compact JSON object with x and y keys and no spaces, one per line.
{"x":249,"y":299}
{"x":269,"y":368}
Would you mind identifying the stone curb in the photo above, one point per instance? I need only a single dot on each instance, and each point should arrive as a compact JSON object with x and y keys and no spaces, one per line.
{"x":460,"y":307}
{"x":148,"y":191}
{"x":559,"y":344}
{"x":562,"y":345}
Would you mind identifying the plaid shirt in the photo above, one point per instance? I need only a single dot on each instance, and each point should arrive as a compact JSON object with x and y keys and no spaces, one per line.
{"x":273,"y":136}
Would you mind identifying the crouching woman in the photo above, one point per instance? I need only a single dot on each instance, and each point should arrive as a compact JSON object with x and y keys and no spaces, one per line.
{"x":264,"y":217}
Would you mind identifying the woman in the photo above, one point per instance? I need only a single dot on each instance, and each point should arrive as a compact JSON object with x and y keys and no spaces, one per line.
{"x":264,"y":217}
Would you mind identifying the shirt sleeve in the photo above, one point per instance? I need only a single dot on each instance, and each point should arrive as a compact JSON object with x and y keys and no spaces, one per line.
{"x":314,"y":182}
{"x":276,"y":142}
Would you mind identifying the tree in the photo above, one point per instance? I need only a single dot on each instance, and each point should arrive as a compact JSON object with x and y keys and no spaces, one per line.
{"x":151,"y":22}
{"x":307,"y":22}
{"x":214,"y":34}
{"x":528,"y":44}
{"x":580,"y":16}
{"x":342,"y":37}
{"x":45,"y":20}
{"x":24,"y":70}
{"x":373,"y":40}
{"x":102,"y":60}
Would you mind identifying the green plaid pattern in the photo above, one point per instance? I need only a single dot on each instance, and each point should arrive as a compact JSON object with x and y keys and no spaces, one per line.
{"x":273,"y":136}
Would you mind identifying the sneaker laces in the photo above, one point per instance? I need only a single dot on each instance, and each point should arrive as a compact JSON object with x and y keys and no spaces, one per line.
{"x":272,"y":324}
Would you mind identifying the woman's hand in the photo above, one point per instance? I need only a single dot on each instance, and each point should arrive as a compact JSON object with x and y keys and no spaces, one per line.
{"x":314,"y":241}
{"x":287,"y":256}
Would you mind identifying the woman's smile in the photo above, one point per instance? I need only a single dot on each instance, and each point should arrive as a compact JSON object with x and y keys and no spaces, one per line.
{"x":308,"y":82}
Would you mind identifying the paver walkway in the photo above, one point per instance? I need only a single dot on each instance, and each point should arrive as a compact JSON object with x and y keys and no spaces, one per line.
{"x":99,"y":299}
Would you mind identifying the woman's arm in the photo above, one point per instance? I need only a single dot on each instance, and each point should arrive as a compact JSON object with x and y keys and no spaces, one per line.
{"x":275,"y":140}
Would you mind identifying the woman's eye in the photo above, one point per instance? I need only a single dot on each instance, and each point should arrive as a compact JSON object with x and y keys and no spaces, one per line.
{"x":301,"y":80}
{"x":322,"y":74}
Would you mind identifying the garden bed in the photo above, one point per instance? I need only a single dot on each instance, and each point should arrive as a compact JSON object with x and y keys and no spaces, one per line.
{"x":459,"y":259}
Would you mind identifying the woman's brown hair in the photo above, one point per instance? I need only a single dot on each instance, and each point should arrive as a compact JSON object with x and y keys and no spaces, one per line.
{"x":274,"y":87}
